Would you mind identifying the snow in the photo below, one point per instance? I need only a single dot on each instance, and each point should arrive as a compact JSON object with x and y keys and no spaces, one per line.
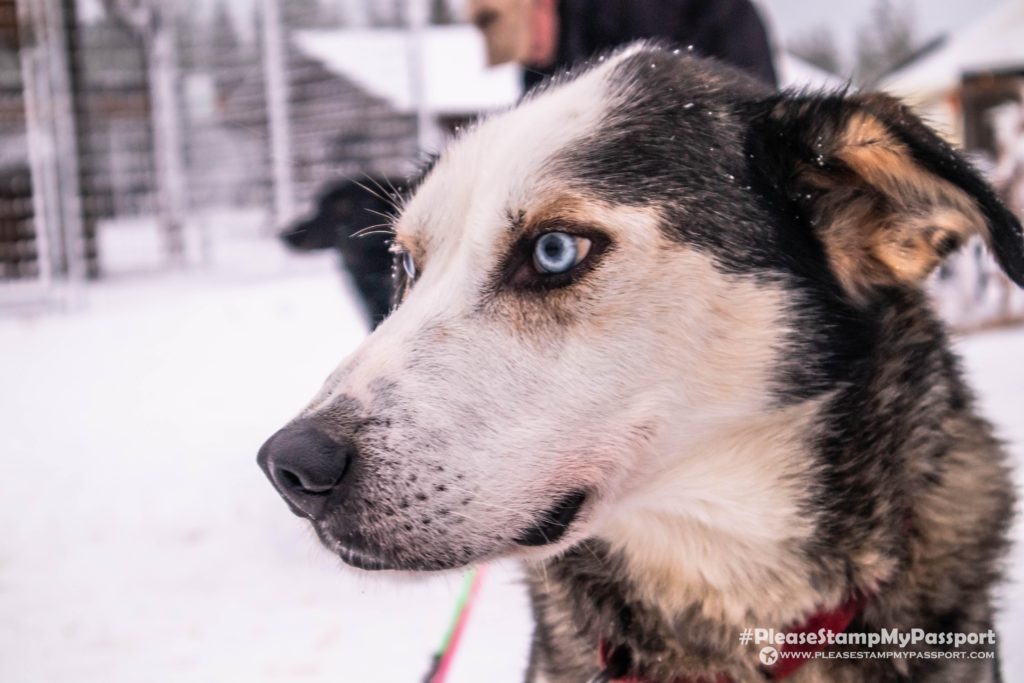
{"x":993,"y":42}
{"x":797,"y":74}
{"x":456,"y":78}
{"x":140,"y":540}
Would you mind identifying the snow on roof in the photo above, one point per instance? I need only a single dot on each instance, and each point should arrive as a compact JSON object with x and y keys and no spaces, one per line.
{"x":795,"y":73}
{"x":456,"y":78}
{"x":993,"y":42}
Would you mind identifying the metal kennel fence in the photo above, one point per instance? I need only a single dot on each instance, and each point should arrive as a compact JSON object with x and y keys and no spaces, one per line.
{"x":41,"y":238}
{"x":134,"y":118}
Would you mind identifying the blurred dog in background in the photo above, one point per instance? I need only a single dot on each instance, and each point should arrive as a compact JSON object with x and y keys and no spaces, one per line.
{"x":348,"y":217}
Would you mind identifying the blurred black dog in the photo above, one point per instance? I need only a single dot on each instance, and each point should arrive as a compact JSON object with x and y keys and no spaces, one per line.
{"x":345,"y":219}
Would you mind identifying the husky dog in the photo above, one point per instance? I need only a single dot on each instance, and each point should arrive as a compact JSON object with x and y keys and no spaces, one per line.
{"x":662,"y":334}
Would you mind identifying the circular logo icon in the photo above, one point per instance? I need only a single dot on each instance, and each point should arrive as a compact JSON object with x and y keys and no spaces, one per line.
{"x":768,"y":655}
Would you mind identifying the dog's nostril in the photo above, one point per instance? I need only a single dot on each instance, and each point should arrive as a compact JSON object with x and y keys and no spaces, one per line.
{"x":291,"y":480}
{"x":305,"y":465}
{"x":305,"y":482}
{"x":287,"y":479}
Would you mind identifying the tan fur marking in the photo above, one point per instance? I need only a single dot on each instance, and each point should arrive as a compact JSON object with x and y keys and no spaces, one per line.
{"x":891,"y":222}
{"x":575,"y":209}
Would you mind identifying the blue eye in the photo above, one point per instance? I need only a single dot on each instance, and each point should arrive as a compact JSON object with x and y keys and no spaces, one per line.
{"x":409,"y":264}
{"x":558,"y":252}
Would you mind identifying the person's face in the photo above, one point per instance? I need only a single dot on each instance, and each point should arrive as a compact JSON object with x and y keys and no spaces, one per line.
{"x":543,"y":33}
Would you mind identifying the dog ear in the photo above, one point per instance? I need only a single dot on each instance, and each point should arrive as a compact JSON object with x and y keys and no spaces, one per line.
{"x":887,"y":197}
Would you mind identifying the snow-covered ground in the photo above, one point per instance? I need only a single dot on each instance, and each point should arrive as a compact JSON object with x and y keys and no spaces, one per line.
{"x":141,"y":543}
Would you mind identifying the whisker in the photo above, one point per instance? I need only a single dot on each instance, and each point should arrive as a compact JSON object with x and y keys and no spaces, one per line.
{"x":390,"y":217}
{"x":400,"y":198}
{"x":374,"y":229}
{"x":376,"y":194}
{"x":390,"y":196}
{"x":389,"y":190}
{"x":367,"y":232}
{"x":389,"y":200}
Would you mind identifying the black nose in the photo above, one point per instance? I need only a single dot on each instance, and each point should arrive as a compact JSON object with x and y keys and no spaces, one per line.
{"x":305,"y":465}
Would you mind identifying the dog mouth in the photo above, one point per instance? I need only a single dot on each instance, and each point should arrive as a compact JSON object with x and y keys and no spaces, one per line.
{"x":363,"y":560}
{"x":355,"y":556}
{"x":549,"y":528}
{"x":553,"y":524}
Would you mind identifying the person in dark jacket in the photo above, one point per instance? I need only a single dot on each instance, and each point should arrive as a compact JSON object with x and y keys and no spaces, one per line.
{"x":548,"y":35}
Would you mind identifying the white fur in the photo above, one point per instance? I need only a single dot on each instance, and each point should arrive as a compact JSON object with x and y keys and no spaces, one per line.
{"x":716,"y":523}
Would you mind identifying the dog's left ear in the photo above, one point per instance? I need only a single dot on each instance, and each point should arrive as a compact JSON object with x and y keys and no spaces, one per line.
{"x":887,"y":197}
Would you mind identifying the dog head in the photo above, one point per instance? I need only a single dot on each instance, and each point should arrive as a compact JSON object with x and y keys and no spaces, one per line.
{"x":604,"y":278}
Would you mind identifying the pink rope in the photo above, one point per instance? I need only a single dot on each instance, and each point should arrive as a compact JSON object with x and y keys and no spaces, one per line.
{"x":449,"y":654}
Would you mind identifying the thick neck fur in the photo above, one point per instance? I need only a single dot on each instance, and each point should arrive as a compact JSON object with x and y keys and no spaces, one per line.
{"x":888,"y":486}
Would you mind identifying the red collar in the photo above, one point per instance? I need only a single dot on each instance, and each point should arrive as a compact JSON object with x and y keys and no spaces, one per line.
{"x":836,"y":620}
